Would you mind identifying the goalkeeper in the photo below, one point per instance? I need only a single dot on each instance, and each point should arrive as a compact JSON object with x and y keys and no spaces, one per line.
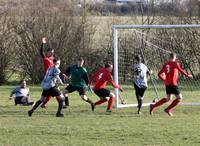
{"x":79,"y":78}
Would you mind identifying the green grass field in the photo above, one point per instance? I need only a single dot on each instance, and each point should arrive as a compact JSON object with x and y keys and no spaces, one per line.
{"x":82,"y":127}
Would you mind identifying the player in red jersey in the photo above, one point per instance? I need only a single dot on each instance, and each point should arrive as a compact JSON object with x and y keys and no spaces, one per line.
{"x":101,"y":78}
{"x":169,"y":74}
{"x":47,"y":61}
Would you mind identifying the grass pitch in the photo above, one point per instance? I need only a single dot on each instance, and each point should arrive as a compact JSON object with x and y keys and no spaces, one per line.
{"x":82,"y":127}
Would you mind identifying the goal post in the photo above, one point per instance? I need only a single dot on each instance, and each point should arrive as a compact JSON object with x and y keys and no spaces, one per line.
{"x":116,"y":50}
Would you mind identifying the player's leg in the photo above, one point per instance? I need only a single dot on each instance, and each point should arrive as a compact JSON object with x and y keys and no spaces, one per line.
{"x":43,"y":105}
{"x":65,"y":98}
{"x":37,"y":104}
{"x":88,"y":100}
{"x":110,"y":102}
{"x":136,"y":93}
{"x":159,"y":103}
{"x":174,"y":103}
{"x":18,"y":100}
{"x":60,"y":106}
{"x":55,"y":92}
{"x":25,"y":101}
{"x":169,"y":92}
{"x":140,"y":98}
{"x":68,"y":89}
{"x":103,"y":94}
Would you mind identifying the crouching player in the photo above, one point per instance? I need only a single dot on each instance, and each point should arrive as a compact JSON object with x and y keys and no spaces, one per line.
{"x":21,"y":94}
{"x":49,"y":86}
{"x":140,"y":80}
{"x":169,"y":74}
{"x":101,"y":78}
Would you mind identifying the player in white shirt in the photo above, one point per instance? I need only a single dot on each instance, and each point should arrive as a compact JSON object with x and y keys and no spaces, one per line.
{"x":140,"y":80}
{"x":50,"y":88}
{"x":21,"y":93}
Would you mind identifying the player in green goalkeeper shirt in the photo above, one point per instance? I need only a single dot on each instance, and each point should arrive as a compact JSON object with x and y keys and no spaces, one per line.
{"x":79,"y":82}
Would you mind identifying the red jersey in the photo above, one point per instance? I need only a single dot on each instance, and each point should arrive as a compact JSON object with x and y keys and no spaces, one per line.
{"x":48,"y":62}
{"x":171,"y":70}
{"x":101,"y":78}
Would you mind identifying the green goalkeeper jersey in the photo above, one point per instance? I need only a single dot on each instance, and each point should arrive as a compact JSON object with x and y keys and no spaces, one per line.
{"x":79,"y":76}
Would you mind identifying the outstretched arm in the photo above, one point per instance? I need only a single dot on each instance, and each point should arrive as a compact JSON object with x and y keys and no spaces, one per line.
{"x":182,"y":70}
{"x":115,"y":85}
{"x":44,"y":41}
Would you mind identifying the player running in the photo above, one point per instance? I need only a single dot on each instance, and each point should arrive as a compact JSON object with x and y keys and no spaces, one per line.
{"x":101,"y":78}
{"x":49,"y":86}
{"x":79,"y":78}
{"x":169,"y":74}
{"x":140,"y":80}
{"x":47,"y":62}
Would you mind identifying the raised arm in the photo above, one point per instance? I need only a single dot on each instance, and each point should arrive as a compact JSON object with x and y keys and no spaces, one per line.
{"x":44,"y":41}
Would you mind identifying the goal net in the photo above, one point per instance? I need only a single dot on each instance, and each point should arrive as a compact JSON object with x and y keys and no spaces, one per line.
{"x":154,"y":43}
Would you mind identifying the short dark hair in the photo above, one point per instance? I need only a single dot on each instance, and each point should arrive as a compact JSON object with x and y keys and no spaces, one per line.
{"x":172,"y":55}
{"x":107,"y":65}
{"x":55,"y":60}
{"x":138,"y":58}
{"x":50,"y":49}
{"x":81,"y":59}
{"x":21,"y":81}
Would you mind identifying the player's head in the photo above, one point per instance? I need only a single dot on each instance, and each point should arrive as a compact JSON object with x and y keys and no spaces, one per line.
{"x":56,"y":62}
{"x":49,"y":52}
{"x":173,"y":56}
{"x":138,"y":59}
{"x":109,"y":67}
{"x":80,"y":62}
{"x":22,"y":83}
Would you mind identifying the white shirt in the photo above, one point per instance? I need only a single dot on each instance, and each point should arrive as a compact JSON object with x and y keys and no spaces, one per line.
{"x":140,"y":75}
{"x":21,"y":92}
{"x":51,"y":78}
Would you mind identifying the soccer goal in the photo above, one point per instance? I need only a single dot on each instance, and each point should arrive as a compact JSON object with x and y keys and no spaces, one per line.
{"x":154,"y":43}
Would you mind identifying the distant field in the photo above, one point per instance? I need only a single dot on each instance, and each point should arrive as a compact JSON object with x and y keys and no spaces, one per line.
{"x":82,"y":127}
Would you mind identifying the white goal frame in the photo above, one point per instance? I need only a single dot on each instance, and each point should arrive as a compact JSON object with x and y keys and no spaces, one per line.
{"x":115,"y":53}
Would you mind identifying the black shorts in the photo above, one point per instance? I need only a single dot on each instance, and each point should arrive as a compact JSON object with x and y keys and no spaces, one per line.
{"x":170,"y":89}
{"x":139,"y":91}
{"x":103,"y":93}
{"x":18,"y":100}
{"x":51,"y":92}
{"x":72,"y":88}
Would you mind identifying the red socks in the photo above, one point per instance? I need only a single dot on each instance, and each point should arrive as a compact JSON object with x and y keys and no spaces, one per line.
{"x":110,"y":103}
{"x":47,"y":100}
{"x":160,"y":102}
{"x":101,"y":101}
{"x":173,"y":104}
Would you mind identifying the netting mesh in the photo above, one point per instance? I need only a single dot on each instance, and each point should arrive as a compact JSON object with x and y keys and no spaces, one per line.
{"x":155,"y":46}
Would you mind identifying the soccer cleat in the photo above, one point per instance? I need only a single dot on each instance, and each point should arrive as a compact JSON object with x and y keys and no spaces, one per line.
{"x":30,"y":113}
{"x":108,"y":111}
{"x":151,"y":109}
{"x":43,"y":106}
{"x":139,"y":113}
{"x":64,"y":106}
{"x":92,"y":106}
{"x":169,"y":113}
{"x":59,"y":115}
